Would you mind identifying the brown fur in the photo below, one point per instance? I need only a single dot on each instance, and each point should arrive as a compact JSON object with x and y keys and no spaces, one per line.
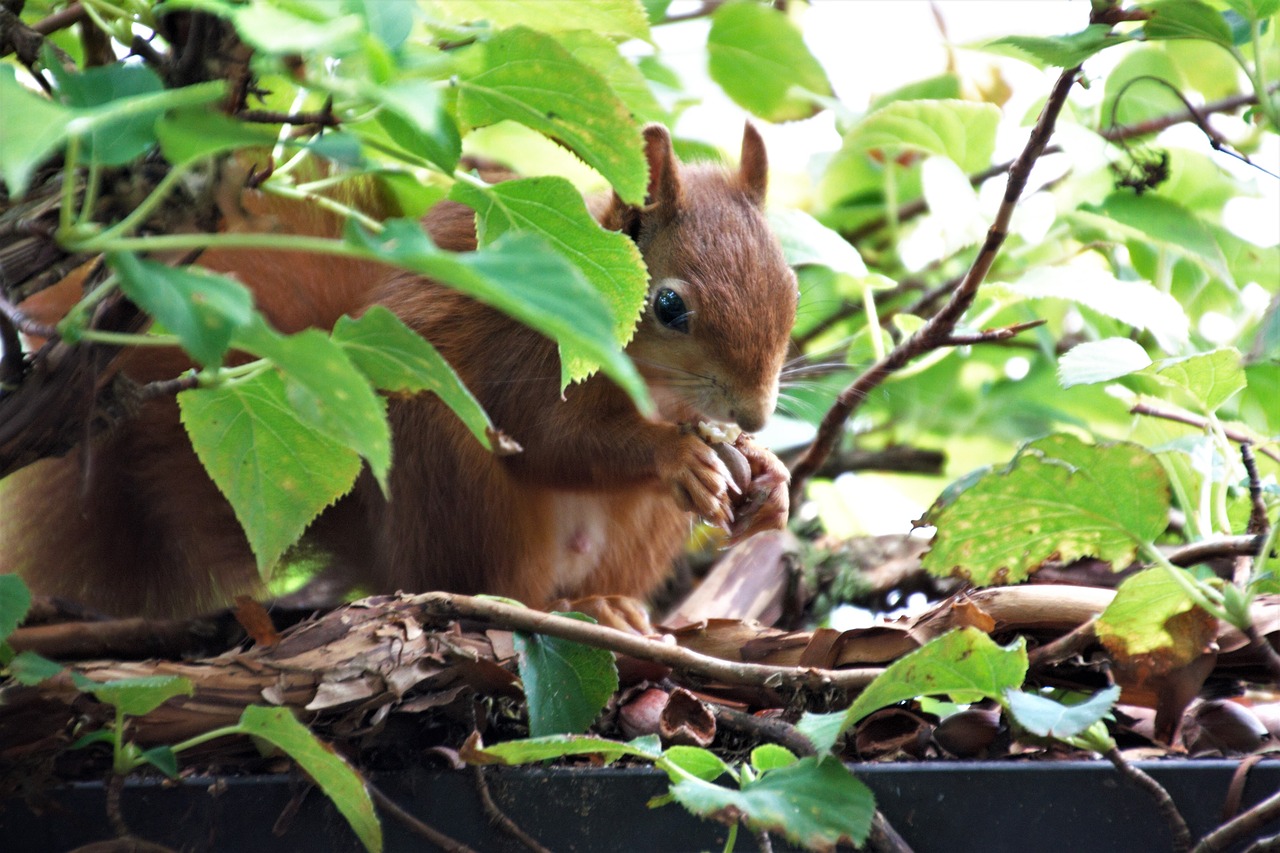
{"x":598,"y":502}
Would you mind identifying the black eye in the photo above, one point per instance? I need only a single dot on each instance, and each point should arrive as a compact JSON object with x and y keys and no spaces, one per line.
{"x":669,"y":308}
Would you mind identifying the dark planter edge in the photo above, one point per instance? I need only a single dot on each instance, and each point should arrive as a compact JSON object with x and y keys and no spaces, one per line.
{"x":936,"y":806}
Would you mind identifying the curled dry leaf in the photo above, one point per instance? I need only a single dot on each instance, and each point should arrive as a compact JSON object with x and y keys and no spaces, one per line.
{"x":969,"y":733}
{"x":892,"y":732}
{"x":686,"y":721}
{"x":640,"y":716}
{"x":1224,"y":726}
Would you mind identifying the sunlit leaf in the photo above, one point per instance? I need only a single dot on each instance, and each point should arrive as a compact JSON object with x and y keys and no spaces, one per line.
{"x":276,"y":472}
{"x":963,"y":131}
{"x":396,"y":358}
{"x":1100,"y":361}
{"x":1059,"y":499}
{"x":1064,"y":51}
{"x":531,"y":79}
{"x":759,"y":58}
{"x":1047,"y":717}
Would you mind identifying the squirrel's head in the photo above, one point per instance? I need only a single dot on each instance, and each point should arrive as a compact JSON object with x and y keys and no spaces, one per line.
{"x":722,"y":300}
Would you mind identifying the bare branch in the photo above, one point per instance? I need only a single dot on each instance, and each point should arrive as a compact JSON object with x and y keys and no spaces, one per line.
{"x":442,"y":605}
{"x":939,"y":328}
{"x":1201,"y":423}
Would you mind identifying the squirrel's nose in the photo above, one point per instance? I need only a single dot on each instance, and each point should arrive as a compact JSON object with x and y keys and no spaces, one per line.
{"x":750,"y":421}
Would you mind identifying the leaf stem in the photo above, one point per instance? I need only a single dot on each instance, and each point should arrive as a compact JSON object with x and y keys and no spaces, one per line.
{"x":128,"y":339}
{"x":212,"y":734}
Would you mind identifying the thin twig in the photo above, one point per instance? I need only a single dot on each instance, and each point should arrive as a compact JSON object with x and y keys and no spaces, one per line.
{"x":1069,"y":644}
{"x":323,"y":118}
{"x":1164,"y":802}
{"x":169,"y":387}
{"x":448,"y":606}
{"x":1209,"y":549}
{"x":884,"y":838}
{"x":497,"y":818}
{"x":414,"y":825}
{"x":23,"y":322}
{"x":938,"y":328}
{"x":1201,"y":423}
{"x":73,"y":14}
{"x":771,"y":729}
{"x":1258,"y":523}
{"x":1244,"y":826}
{"x":990,"y":335}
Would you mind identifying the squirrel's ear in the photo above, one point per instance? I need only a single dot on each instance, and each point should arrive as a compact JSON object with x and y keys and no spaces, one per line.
{"x":664,"y":194}
{"x":754,"y":169}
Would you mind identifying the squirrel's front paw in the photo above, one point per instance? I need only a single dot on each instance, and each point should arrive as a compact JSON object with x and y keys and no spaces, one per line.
{"x":700,"y":481}
{"x":765,"y":503}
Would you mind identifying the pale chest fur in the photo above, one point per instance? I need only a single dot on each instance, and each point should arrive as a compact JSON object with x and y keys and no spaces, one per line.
{"x":614,"y":542}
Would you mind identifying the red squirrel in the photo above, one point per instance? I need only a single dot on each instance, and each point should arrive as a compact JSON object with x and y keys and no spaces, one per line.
{"x":599,"y":502}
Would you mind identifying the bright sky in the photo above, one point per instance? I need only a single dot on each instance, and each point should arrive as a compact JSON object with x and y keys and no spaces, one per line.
{"x":872,"y":46}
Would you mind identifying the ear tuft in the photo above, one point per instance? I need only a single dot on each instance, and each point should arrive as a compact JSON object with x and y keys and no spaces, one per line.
{"x":664,"y":194}
{"x":753,"y":173}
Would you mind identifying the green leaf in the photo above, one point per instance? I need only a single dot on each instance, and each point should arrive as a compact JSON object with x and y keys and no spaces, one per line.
{"x":805,"y":240}
{"x":596,"y":51}
{"x":758,"y":56}
{"x":531,"y":79}
{"x":964,"y":664}
{"x":1059,"y":499}
{"x":566,"y":684}
{"x":339,"y":781}
{"x":163,"y":758}
{"x":1153,"y":218}
{"x":816,"y":803}
{"x":559,"y":746}
{"x":15,"y":601}
{"x":396,"y":358}
{"x":1100,"y":361}
{"x":419,"y":120}
{"x":94,"y":90}
{"x":524,"y":277}
{"x":277,"y":29}
{"x":1046,"y":717}
{"x":391,"y":23}
{"x":137,"y":696}
{"x":1147,"y":614}
{"x":27,"y":667}
{"x":1255,"y":10}
{"x":1130,"y":96}
{"x":771,"y":756}
{"x":192,"y":134}
{"x":202,"y":308}
{"x":963,"y":131}
{"x":1210,"y":378}
{"x":616,"y":18}
{"x":326,"y":390}
{"x":33,"y":130}
{"x":277,"y":472}
{"x":1064,"y":51}
{"x":552,"y":209}
{"x":1180,"y":19}
{"x":702,"y":763}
